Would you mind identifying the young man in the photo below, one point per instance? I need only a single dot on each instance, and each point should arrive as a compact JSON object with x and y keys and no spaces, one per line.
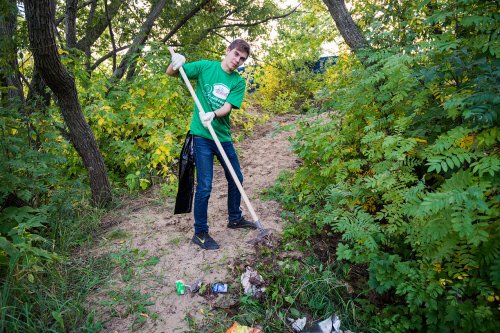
{"x":220,"y":89}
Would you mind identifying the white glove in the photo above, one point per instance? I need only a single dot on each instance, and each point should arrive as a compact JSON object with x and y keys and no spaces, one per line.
{"x":177,"y":61}
{"x":206,"y":118}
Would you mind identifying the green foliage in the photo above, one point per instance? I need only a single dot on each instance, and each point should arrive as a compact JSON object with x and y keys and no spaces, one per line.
{"x":285,"y":80}
{"x":139,"y":124}
{"x":50,"y":295}
{"x":403,"y":164}
{"x":26,"y":176}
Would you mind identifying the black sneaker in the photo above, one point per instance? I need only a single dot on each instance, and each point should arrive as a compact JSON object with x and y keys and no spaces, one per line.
{"x":204,"y":240}
{"x":241,"y":223}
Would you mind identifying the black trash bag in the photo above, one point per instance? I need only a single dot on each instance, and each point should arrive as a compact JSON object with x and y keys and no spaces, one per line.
{"x":185,"y":190}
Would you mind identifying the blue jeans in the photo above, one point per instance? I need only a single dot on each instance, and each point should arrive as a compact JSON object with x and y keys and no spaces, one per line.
{"x":204,"y":151}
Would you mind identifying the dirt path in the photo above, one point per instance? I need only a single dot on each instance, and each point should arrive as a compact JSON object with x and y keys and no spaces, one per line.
{"x":149,"y":225}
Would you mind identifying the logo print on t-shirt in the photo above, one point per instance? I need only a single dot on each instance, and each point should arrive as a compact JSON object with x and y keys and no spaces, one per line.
{"x":216,"y":95}
{"x":221,"y":91}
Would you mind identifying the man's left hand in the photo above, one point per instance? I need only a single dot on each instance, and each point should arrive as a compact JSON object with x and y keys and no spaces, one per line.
{"x":177,"y":61}
{"x":206,"y":118}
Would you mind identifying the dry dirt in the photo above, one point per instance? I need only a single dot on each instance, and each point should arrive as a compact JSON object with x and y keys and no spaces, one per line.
{"x":146,"y":224}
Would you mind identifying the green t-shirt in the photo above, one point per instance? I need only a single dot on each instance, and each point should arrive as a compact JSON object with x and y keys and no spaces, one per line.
{"x":214,"y":87}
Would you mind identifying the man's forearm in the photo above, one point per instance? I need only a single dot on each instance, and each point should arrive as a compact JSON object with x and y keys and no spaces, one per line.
{"x":171,"y":71}
{"x":223,"y":111}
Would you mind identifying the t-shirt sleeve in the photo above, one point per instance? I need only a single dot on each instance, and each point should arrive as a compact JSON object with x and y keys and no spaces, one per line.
{"x":193,"y":69}
{"x":236,"y":95}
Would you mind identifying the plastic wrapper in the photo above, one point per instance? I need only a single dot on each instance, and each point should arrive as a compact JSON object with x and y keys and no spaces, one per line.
{"x":329,"y":325}
{"x":195,"y":286}
{"x":298,"y":324}
{"x":237,"y":328}
{"x":253,"y":283}
{"x":219,"y":288}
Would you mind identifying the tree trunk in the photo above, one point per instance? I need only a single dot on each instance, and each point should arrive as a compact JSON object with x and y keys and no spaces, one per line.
{"x":9,"y":69}
{"x":111,"y":33}
{"x":139,"y":40}
{"x":345,"y":24}
{"x":58,"y":79}
{"x":183,"y":20}
{"x":132,"y":71}
{"x":70,"y":23}
{"x":97,"y":26}
{"x":38,"y":97}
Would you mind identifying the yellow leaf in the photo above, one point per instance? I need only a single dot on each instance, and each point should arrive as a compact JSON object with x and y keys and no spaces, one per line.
{"x":100,"y":122}
{"x":129,"y":160}
{"x":126,"y":106}
{"x":144,"y":183}
{"x":466,"y":142}
{"x":141,"y":143}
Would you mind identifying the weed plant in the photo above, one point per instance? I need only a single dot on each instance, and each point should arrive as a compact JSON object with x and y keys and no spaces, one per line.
{"x":301,"y":289}
{"x":44,"y":289}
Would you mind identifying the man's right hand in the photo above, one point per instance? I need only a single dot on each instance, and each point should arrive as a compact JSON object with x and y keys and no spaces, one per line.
{"x":177,"y":61}
{"x":206,"y":118}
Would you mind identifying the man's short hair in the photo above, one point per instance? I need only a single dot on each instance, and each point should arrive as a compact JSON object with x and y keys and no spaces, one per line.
{"x":240,"y":45}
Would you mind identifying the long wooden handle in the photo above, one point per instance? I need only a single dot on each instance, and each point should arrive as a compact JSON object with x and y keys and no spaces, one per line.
{"x":219,"y":146}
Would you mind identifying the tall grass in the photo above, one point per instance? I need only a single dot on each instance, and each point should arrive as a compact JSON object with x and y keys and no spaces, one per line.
{"x":50,"y":296}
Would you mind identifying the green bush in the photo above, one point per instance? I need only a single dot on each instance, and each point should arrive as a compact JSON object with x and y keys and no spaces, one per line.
{"x":403,"y":163}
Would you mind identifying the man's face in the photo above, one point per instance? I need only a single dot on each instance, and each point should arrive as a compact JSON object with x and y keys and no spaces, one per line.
{"x":235,"y":58}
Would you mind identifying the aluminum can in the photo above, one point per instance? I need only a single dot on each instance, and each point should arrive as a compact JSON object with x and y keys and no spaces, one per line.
{"x":179,"y":286}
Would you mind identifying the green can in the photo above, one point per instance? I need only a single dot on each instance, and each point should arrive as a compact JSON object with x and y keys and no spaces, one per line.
{"x":179,"y":286}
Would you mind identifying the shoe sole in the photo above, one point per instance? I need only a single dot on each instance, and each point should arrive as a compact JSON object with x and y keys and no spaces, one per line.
{"x":242,"y":227}
{"x":204,"y":248}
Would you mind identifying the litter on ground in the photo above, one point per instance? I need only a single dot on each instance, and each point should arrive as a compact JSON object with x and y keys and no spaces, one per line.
{"x":253,"y":283}
{"x":237,"y":328}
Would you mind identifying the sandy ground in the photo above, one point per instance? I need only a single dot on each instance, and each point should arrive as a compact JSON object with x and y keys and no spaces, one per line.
{"x":151,"y":226}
